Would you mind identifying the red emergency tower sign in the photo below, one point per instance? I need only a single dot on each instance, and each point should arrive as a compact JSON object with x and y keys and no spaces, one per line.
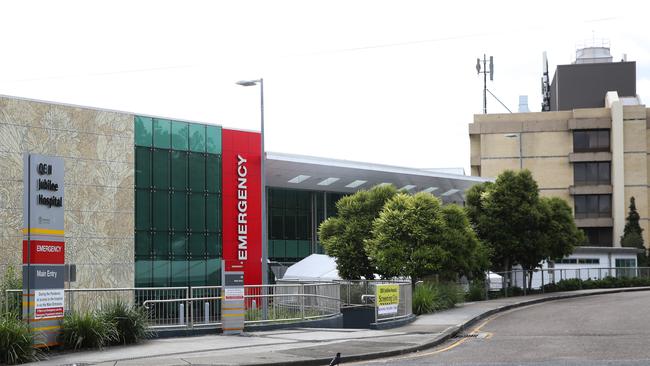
{"x":242,"y":206}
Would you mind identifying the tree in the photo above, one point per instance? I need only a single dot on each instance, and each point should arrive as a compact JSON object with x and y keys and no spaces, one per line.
{"x":518,"y":226}
{"x":414,"y":236}
{"x":504,"y":215}
{"x":343,"y":236}
{"x":632,"y":236}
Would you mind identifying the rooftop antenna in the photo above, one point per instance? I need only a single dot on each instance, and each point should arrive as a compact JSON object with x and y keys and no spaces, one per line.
{"x":485,"y":72}
{"x":546,"y":85}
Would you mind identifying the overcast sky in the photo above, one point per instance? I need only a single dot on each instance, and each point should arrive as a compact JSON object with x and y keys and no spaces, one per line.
{"x":389,"y":82}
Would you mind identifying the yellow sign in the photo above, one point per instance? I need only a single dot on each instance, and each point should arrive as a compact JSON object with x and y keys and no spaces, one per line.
{"x":387,"y":298}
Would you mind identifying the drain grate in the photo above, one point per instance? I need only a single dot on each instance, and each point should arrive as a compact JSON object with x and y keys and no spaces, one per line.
{"x":472,"y":335}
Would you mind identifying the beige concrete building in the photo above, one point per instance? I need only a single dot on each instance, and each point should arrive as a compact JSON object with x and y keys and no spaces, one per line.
{"x":594,"y":158}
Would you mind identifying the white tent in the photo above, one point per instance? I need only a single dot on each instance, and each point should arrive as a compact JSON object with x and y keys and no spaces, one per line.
{"x":316,"y":267}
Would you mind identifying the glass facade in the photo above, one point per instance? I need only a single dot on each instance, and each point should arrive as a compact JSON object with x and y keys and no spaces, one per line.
{"x":177,"y":203}
{"x":293,"y":219}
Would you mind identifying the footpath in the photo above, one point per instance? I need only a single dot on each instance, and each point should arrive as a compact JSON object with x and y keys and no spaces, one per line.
{"x":310,"y":346}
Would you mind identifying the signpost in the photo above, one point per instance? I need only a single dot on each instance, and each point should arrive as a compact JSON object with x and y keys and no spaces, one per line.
{"x":43,"y":247}
{"x":387,"y":299}
{"x":232,"y":306}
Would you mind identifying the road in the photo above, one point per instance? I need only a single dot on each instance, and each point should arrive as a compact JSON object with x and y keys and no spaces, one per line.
{"x":595,"y":330}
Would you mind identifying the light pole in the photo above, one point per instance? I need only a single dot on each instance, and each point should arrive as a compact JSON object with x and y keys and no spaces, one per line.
{"x":518,"y":136}
{"x":265,"y":255}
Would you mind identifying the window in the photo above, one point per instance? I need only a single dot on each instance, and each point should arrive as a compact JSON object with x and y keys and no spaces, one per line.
{"x":625,"y":263}
{"x":598,"y":236}
{"x":593,"y":206}
{"x":590,"y":140}
{"x":592,"y":173}
{"x":578,"y":261}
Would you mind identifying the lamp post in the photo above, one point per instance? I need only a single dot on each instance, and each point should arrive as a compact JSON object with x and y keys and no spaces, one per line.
{"x":518,"y":136}
{"x":265,"y":256}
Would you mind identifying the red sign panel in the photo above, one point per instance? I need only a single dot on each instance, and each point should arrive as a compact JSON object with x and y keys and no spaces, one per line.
{"x":49,"y":313}
{"x":242,"y":206}
{"x":45,"y":252}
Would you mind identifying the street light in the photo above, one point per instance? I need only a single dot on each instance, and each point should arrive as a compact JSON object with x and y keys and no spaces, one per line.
{"x":263,"y":172}
{"x":518,"y":136}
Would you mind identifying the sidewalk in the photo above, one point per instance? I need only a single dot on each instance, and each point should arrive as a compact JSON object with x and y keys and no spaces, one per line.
{"x":308,"y":346}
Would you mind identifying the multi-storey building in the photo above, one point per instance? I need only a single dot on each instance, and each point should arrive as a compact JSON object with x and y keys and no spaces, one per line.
{"x":591,"y":151}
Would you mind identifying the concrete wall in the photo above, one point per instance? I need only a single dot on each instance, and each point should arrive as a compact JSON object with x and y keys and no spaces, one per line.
{"x":97,"y":147}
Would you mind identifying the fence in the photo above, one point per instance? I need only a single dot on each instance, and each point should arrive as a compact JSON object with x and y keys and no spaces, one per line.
{"x":191,"y":307}
{"x":521,"y":280}
{"x":364,"y":293}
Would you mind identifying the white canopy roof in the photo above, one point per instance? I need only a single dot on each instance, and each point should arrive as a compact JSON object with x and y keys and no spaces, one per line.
{"x":316,"y":267}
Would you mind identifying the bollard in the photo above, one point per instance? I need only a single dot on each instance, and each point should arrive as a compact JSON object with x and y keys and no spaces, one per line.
{"x":181,"y":314}
{"x":206,"y":312}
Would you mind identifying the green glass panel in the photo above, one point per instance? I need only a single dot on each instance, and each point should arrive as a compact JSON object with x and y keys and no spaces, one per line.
{"x":197,"y":212}
{"x":197,"y":272}
{"x":280,"y":198}
{"x":161,"y":245}
{"x":160,"y":210}
{"x":143,"y":273}
{"x":291,"y":248}
{"x":304,"y":225}
{"x":279,"y":249}
{"x":271,"y":246}
{"x":180,"y":139}
{"x":179,"y":211}
{"x":304,"y":248}
{"x":213,"y":245}
{"x":197,"y":172}
{"x":291,"y":200}
{"x":214,"y":272}
{"x":161,"y":169}
{"x":142,"y":244}
{"x":290,"y":224}
{"x":197,"y":245}
{"x":276,"y":223}
{"x":143,"y":209}
{"x":161,"y":133}
{"x":179,"y":272}
{"x":142,"y":167}
{"x":212,"y":213}
{"x":197,"y":137}
{"x":143,"y":131}
{"x":213,"y":173}
{"x":161,"y":270}
{"x":179,"y":245}
{"x":179,"y":170}
{"x":304,"y":200}
{"x":213,"y":139}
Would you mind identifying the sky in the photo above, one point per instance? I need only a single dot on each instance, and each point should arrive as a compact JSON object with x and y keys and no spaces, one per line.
{"x":386,"y":82}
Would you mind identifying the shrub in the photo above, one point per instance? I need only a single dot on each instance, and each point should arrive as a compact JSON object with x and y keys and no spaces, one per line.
{"x":88,"y":330}
{"x":10,"y":302}
{"x":423,"y":298}
{"x":476,"y":291}
{"x":447,"y":296}
{"x":130,"y":322}
{"x":428,"y":297}
{"x":16,"y":341}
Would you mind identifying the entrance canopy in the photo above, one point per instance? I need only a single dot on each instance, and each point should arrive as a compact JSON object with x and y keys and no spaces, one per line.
{"x":344,"y":176}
